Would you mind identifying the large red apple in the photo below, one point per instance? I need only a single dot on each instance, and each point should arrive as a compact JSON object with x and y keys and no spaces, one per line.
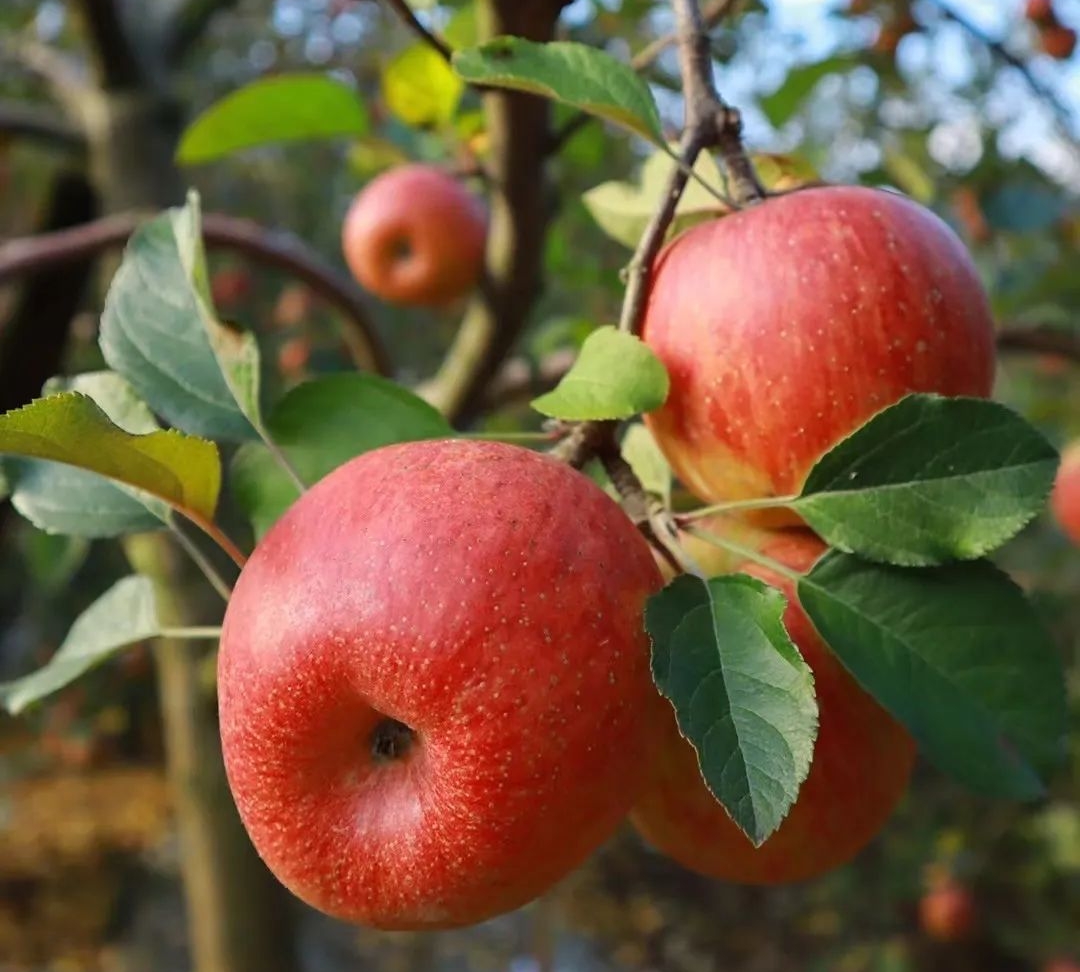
{"x":861,"y":765}
{"x":415,"y":235}
{"x":434,"y":683}
{"x":788,"y":324}
{"x":1065,"y":498}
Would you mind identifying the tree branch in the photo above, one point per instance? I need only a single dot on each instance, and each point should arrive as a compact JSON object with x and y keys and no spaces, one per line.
{"x":275,"y":249}
{"x":1041,"y":340}
{"x":998,"y":48}
{"x":61,"y":72}
{"x":21,"y":121}
{"x":189,"y":25}
{"x":116,"y":58}
{"x":519,"y":129}
{"x":520,"y":379}
{"x":712,"y":14}
{"x":404,"y":11}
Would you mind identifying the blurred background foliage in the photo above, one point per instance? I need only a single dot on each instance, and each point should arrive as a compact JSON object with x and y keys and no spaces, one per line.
{"x":970,"y":107}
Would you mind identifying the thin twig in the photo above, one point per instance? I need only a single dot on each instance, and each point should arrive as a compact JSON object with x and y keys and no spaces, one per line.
{"x":34,"y":122}
{"x":189,"y":25}
{"x":1041,"y":340}
{"x":270,"y":248}
{"x":1045,"y":92}
{"x":209,"y":571}
{"x":404,"y":11}
{"x":712,"y":15}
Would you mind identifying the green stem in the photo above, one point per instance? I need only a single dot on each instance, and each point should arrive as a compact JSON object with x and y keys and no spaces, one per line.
{"x":192,"y":633}
{"x":717,"y":194}
{"x":210,"y":572}
{"x":283,"y":461}
{"x":748,"y":553}
{"x":736,"y":506}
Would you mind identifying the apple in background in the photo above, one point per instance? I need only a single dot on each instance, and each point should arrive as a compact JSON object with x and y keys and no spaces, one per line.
{"x":295,"y":304}
{"x":947,"y":912}
{"x":1040,"y":12}
{"x":787,"y":325}
{"x":1065,"y":498}
{"x":1058,"y":41}
{"x":415,"y":235}
{"x":230,"y":287}
{"x":1061,"y":964}
{"x":294,"y":355}
{"x":434,"y":683}
{"x":861,"y":766}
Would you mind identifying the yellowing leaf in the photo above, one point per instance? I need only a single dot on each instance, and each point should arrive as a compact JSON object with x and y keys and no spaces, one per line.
{"x":420,"y":87}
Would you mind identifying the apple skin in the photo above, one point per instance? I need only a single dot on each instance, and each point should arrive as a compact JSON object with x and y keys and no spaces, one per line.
{"x":861,"y":767}
{"x":1040,"y":12}
{"x":1065,"y":496}
{"x":947,"y":912}
{"x":490,"y":599}
{"x":1058,"y":41}
{"x":787,"y":325}
{"x":415,"y":236}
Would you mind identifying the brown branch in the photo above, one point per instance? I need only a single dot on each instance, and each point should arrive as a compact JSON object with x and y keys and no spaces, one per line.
{"x":520,"y":379}
{"x":60,"y":71}
{"x":1041,"y":340}
{"x":404,"y":11}
{"x":520,"y":203}
{"x":189,"y":25}
{"x":115,"y":56}
{"x":712,"y":15}
{"x":23,"y":121}
{"x":274,"y":249}
{"x":998,"y":48}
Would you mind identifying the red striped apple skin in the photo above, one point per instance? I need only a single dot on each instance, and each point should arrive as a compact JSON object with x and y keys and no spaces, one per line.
{"x":790,"y":323}
{"x":861,"y":767}
{"x":491,"y":600}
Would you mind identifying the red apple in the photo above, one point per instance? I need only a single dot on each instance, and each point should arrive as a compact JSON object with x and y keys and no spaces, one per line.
{"x":1058,"y":41}
{"x":787,"y":325}
{"x":434,"y":683}
{"x":230,"y":287}
{"x":862,"y":762}
{"x":1061,"y":964}
{"x":947,"y":912}
{"x":1040,"y":12}
{"x":294,"y":355}
{"x":1065,"y":498}
{"x":415,"y":235}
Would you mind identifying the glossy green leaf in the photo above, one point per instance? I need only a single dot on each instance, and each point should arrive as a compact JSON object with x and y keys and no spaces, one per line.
{"x":615,"y":376}
{"x":122,"y":616}
{"x":321,"y":424}
{"x":160,"y":332}
{"x":930,"y":480}
{"x":58,"y":498}
{"x":742,"y":693}
{"x":958,"y":655}
{"x":571,"y":73}
{"x":282,"y":108}
{"x":183,"y":471}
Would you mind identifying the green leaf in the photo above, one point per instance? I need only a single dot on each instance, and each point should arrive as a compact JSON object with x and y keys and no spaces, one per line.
{"x":742,"y":693}
{"x":782,"y":104}
{"x":958,"y":655}
{"x":929,"y":480}
{"x":70,"y":428}
{"x":122,"y":616}
{"x":640,"y":450}
{"x":615,"y":376}
{"x":283,"y":108}
{"x":321,"y":424}
{"x":58,"y":498}
{"x":573,"y":74}
{"x":420,"y":87}
{"x":159,"y":331}
{"x":624,"y":209}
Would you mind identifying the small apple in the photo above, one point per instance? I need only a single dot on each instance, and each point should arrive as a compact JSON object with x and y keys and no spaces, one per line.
{"x":1040,"y":12}
{"x":861,"y":766}
{"x":230,"y":287}
{"x":1058,"y":41}
{"x":294,"y":306}
{"x":434,"y":683}
{"x":294,"y":355}
{"x":787,"y":325}
{"x":1065,"y":497}
{"x":415,"y":235}
{"x":1061,"y":964}
{"x":947,"y":912}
